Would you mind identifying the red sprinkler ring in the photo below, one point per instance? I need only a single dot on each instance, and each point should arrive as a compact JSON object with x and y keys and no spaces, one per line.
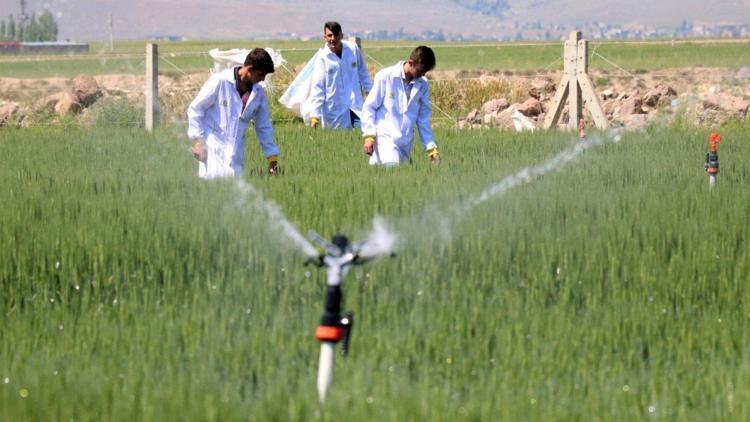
{"x":714,"y":139}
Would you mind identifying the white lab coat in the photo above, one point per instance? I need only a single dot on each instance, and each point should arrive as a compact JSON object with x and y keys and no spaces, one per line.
{"x":216,"y":116}
{"x":390,"y":117}
{"x":337,"y":85}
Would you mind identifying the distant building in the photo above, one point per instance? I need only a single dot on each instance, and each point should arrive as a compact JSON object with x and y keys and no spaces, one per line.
{"x":13,"y":47}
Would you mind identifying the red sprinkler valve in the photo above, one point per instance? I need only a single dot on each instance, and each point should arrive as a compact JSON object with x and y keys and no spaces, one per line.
{"x":711,"y":165}
{"x":581,"y":129}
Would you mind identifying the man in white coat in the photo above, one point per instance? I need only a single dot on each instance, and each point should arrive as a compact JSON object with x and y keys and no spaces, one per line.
{"x":221,"y":113}
{"x":399,"y":100}
{"x":339,"y":77}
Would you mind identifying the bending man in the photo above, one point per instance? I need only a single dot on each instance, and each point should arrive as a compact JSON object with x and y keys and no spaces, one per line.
{"x":221,"y":113}
{"x":338,"y":80}
{"x":400,"y":99}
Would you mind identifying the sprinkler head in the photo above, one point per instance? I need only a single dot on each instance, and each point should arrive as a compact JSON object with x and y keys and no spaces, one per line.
{"x":340,"y":241}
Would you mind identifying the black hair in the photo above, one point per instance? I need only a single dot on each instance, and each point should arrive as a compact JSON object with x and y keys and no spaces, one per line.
{"x":260,"y":59}
{"x":333,"y":26}
{"x":423,"y":58}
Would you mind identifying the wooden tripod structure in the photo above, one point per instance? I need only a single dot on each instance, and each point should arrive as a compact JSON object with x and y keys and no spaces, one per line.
{"x":576,"y":87}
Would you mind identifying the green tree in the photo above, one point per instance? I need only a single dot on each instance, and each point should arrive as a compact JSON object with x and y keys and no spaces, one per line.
{"x":47,"y":26}
{"x":32,"y":31}
{"x":10,"y":35}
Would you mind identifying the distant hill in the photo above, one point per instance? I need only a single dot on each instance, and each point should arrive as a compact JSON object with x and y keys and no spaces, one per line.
{"x":87,"y":20}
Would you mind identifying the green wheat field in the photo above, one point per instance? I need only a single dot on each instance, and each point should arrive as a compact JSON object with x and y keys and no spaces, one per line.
{"x":611,"y":288}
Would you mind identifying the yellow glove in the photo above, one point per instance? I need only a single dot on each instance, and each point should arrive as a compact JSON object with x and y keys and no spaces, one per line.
{"x":433,"y":152}
{"x":369,"y":145}
{"x":314,"y":122}
{"x":273,"y":162}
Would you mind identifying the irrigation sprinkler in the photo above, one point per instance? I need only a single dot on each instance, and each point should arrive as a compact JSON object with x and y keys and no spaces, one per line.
{"x":711,"y":165}
{"x":338,"y":257}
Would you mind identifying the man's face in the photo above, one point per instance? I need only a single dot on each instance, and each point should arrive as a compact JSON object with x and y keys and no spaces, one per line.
{"x":256,"y":75}
{"x":333,"y":41}
{"x":413,"y":71}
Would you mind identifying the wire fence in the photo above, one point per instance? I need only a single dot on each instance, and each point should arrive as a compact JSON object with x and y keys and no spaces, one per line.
{"x":190,"y":88}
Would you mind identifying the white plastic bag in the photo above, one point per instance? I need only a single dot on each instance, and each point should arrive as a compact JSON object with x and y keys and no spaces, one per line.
{"x":236,"y":57}
{"x":297,"y":96}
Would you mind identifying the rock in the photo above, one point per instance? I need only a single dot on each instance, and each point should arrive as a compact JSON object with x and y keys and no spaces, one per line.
{"x":85,"y":90}
{"x":68,"y":105}
{"x":659,"y":95}
{"x":504,"y":119}
{"x":541,"y":86}
{"x":530,"y":108}
{"x":634,"y":121}
{"x":473,"y":116}
{"x":633,"y":104}
{"x":8,"y":112}
{"x":493,"y":106}
{"x":734,"y":106}
{"x":608,"y":93}
{"x":47,"y":104}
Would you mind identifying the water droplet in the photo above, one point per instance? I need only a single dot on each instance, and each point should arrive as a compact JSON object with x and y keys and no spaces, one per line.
{"x":448,"y":361}
{"x":55,"y":372}
{"x":213,"y":287}
{"x":52,"y":300}
{"x":419,"y":293}
{"x":23,"y":393}
{"x":57,"y":265}
{"x":652,"y":409}
{"x":283,"y":270}
{"x":78,"y":287}
{"x":370,"y":400}
{"x":60,"y":327}
{"x":719,"y":320}
{"x":6,"y":380}
{"x":626,"y":388}
{"x":114,"y":302}
{"x":558,"y":271}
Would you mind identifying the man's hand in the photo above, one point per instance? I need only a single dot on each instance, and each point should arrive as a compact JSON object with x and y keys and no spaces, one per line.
{"x":369,"y":146}
{"x":434,"y":155}
{"x":314,"y":122}
{"x":199,"y":151}
{"x":273,"y":163}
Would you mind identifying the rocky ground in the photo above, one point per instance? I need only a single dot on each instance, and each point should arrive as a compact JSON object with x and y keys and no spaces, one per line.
{"x":705,"y":96}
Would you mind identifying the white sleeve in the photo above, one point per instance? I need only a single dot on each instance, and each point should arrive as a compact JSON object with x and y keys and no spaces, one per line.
{"x":197,"y":109}
{"x":423,"y":120}
{"x":371,"y":105}
{"x":318,"y":86}
{"x":364,"y":75}
{"x":263,"y":129}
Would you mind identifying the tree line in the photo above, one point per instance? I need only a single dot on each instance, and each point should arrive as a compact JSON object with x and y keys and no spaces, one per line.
{"x":33,"y":28}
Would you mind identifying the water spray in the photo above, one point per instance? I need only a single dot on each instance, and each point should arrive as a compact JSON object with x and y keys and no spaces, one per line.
{"x":335,"y":325}
{"x":711,"y":165}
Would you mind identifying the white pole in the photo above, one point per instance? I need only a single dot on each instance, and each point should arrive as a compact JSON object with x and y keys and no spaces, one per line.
{"x":152,"y":86}
{"x":325,"y":368}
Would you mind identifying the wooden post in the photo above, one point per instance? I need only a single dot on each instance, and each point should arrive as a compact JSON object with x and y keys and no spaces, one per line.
{"x":576,"y":87}
{"x":152,"y":86}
